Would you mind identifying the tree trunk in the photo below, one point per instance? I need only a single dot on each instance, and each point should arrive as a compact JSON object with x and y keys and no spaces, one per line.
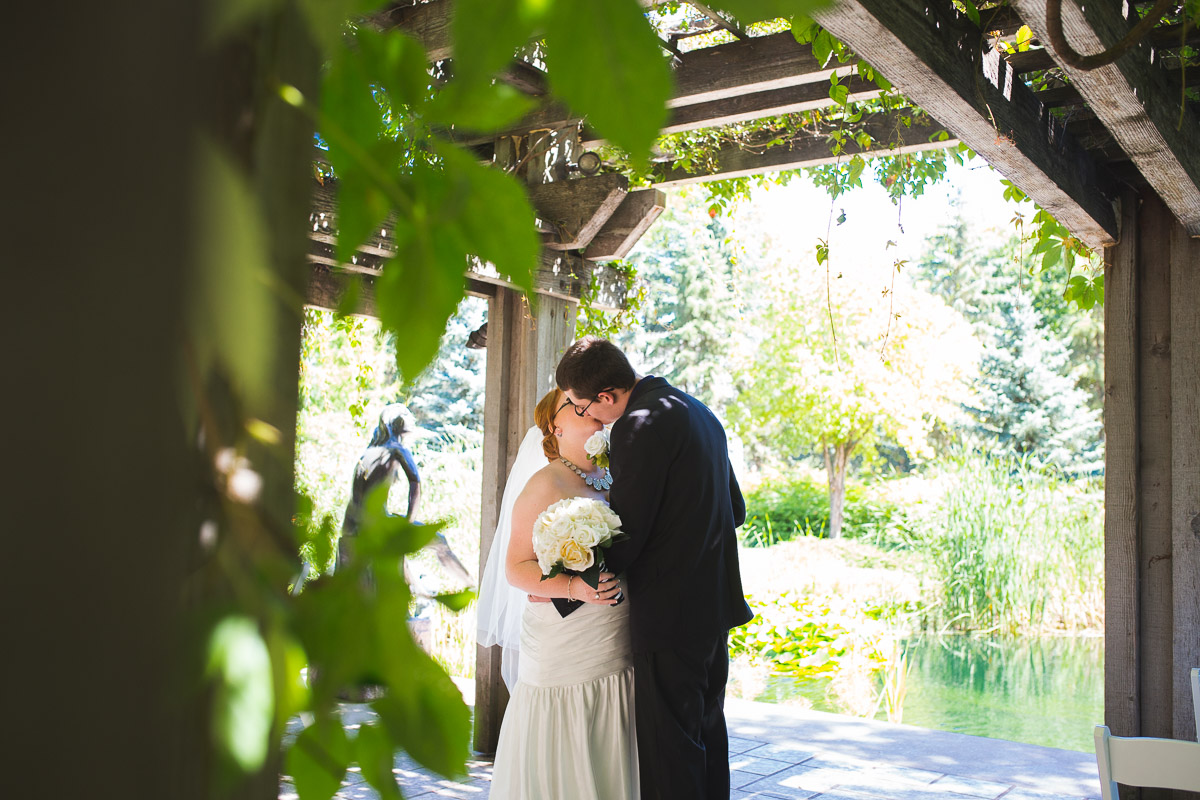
{"x":837,"y":458}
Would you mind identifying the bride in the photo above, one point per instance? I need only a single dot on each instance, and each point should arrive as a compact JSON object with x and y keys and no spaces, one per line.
{"x":568,"y":731}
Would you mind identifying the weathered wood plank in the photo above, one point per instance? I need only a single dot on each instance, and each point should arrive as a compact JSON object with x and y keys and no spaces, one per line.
{"x":811,"y":151}
{"x":1156,"y":602}
{"x":428,"y":22}
{"x":627,"y":225}
{"x":559,"y":274}
{"x":934,"y":55}
{"x":1185,"y":471}
{"x":1121,"y":503}
{"x":328,"y":284}
{"x":709,"y":114}
{"x":504,"y":313}
{"x":756,"y":64}
{"x":327,"y":289}
{"x":577,"y":209}
{"x":756,"y":105}
{"x":1133,"y":99}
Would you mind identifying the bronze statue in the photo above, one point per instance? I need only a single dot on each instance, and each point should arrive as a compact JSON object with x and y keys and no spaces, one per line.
{"x":385,"y":457}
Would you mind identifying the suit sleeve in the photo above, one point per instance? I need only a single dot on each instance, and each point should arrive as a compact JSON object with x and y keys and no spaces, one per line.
{"x":639,"y":465}
{"x":736,"y":499}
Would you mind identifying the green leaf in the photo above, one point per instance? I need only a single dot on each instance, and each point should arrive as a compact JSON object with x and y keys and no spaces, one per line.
{"x":327,"y":19}
{"x":748,"y":11}
{"x":1024,"y":36}
{"x":822,"y":47}
{"x":424,"y":712}
{"x":839,"y":94}
{"x":381,"y":533}
{"x":972,"y":11}
{"x":373,"y":750}
{"x":396,"y":62}
{"x":1098,"y":287}
{"x":456,"y":601}
{"x":232,"y":303}
{"x":482,"y":108}
{"x":347,"y":102}
{"x":605,"y":61}
{"x":495,"y":214}
{"x":857,"y":163}
{"x":487,"y":33}
{"x":361,"y":209}
{"x":1052,"y":256}
{"x":318,"y":758}
{"x":244,"y":700}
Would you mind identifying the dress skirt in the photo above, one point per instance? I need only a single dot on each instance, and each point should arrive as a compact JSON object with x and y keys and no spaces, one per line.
{"x":568,"y":732}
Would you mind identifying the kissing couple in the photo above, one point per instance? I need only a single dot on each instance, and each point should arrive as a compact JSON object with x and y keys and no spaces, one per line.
{"x":618,"y":689}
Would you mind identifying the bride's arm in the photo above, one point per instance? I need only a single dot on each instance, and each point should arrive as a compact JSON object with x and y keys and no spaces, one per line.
{"x":521,"y":565}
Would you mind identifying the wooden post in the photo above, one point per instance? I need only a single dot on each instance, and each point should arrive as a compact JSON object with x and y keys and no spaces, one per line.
{"x":525,"y":343}
{"x":1152,"y":492}
{"x":1185,"y":471}
{"x":1120,"y":477}
{"x":1154,"y":466}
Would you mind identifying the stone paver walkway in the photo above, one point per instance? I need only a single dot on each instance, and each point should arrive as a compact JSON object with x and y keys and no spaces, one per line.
{"x":782,"y":753}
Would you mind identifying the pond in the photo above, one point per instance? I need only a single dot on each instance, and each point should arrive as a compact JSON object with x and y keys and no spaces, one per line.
{"x":1047,"y":691}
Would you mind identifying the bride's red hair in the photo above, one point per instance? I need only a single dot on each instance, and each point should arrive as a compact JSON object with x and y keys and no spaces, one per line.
{"x":543,"y":417}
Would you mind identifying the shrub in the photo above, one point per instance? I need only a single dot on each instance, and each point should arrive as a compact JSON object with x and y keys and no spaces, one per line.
{"x":781,"y":509}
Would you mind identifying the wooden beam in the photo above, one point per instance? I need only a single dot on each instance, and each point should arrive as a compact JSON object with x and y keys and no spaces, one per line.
{"x":756,"y":64}
{"x":770,"y":103}
{"x":732,"y":27}
{"x":559,"y":274}
{"x":428,"y":22}
{"x":811,"y":151}
{"x":937,"y":57}
{"x":627,"y":225}
{"x":327,"y":288}
{"x":577,"y":209}
{"x":1133,"y":99}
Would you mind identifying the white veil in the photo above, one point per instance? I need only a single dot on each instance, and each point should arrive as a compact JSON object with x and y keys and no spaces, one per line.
{"x":501,"y":604}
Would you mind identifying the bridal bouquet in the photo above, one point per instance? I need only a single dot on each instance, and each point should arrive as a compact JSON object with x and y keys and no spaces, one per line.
{"x":571,"y":535}
{"x":596,"y":448}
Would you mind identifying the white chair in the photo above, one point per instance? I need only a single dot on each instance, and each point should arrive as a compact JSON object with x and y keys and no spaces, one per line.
{"x":1196,"y":698}
{"x":1142,"y":761}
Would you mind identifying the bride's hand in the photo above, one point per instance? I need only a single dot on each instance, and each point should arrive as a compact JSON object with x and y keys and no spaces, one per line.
{"x":605,"y":594}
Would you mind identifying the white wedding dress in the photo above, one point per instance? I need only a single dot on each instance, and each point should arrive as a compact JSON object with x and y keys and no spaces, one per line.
{"x":568,"y":732}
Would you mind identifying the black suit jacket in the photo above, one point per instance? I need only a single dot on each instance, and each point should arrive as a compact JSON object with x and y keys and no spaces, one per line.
{"x":678,"y":500}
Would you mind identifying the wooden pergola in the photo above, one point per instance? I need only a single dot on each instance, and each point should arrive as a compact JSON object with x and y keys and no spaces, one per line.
{"x":1110,"y":153}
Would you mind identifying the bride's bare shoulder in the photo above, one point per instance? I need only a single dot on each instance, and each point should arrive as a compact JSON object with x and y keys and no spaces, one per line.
{"x":543,"y":488}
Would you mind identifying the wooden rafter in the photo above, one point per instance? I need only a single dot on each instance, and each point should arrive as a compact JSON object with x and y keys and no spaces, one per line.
{"x":577,"y":209}
{"x":625,"y":227}
{"x":1134,"y":101}
{"x":942,"y":61}
{"x":812,"y":151}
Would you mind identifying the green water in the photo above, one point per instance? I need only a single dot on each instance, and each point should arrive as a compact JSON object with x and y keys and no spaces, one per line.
{"x":1047,"y":691}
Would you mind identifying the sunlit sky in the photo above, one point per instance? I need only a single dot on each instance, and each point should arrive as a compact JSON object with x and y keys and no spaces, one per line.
{"x":798,"y":214}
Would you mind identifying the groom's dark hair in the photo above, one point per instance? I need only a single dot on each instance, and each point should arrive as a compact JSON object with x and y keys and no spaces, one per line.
{"x":591,"y":366}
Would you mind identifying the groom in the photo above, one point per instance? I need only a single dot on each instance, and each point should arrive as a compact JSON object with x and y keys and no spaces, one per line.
{"x":679,"y":501}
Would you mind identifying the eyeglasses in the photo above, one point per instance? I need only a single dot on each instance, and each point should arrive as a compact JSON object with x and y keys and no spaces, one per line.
{"x":560,"y":408}
{"x":579,"y":412}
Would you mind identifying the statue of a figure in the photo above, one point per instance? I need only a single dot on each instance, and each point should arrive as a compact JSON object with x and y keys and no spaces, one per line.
{"x":385,"y":457}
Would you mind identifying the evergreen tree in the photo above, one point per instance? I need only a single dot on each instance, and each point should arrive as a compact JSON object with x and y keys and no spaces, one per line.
{"x":1028,"y":400}
{"x":688,"y":319}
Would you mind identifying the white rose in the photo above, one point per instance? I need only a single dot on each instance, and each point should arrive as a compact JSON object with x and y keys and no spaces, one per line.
{"x":575,"y":556}
{"x":596,"y":444}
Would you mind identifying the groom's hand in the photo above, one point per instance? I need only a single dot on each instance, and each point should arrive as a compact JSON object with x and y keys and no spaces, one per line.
{"x":606,"y":593}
